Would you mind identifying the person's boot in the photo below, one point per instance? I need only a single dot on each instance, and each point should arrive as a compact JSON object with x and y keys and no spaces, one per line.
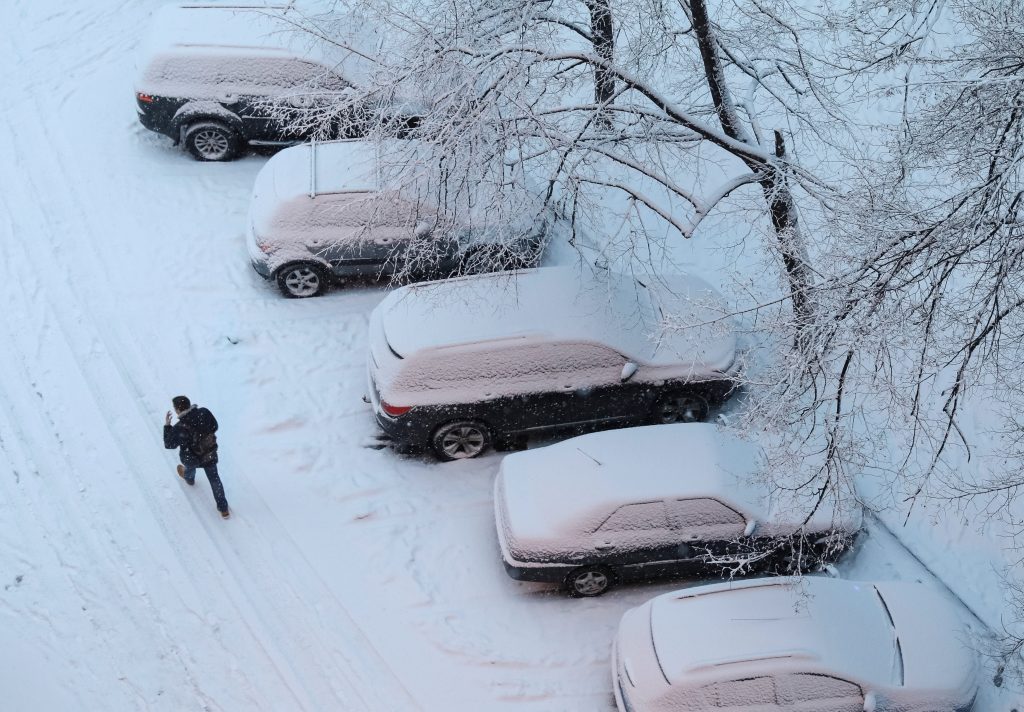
{"x":225,"y":514}
{"x":181,"y":474}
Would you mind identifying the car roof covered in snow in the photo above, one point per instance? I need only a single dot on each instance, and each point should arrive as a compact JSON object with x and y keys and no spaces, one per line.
{"x":270,"y":29}
{"x":322,"y":167}
{"x":194,"y":25}
{"x":561,"y":304}
{"x":765,"y":626}
{"x":570,"y":486}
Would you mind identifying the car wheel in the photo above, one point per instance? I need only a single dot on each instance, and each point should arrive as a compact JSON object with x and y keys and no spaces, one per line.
{"x":212,"y":141}
{"x":588,"y":581}
{"x":301,"y":280}
{"x":461,"y":440}
{"x":493,"y":258}
{"x":511,"y":443}
{"x":681,"y":408}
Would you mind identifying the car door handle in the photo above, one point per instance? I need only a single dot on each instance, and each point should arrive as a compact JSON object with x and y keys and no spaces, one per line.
{"x":604,"y":547}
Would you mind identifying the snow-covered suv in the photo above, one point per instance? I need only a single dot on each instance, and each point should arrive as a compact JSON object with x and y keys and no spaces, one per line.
{"x":458,"y":364}
{"x":653,"y":502}
{"x":326,"y":211}
{"x":208,"y":76}
{"x":795,"y":645}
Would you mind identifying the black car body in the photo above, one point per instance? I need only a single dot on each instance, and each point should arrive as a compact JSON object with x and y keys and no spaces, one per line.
{"x":218,"y":78}
{"x":655,"y":502}
{"x":461,"y":364}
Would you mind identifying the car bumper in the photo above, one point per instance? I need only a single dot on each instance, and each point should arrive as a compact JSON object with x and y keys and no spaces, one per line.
{"x":158,"y":115}
{"x":261,"y":268}
{"x":543,"y":573}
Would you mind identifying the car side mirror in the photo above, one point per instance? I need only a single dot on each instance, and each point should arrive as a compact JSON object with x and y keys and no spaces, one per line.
{"x":749,"y":529}
{"x":870,"y":702}
{"x":628,"y":370}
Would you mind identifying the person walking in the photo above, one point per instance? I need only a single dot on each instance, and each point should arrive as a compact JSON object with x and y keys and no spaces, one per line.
{"x":194,"y":434}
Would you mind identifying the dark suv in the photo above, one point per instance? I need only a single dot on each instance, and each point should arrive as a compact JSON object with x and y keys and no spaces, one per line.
{"x":218,"y":78}
{"x":460,"y":364}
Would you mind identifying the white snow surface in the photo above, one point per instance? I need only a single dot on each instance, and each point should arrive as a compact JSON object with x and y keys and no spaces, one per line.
{"x":347,"y":578}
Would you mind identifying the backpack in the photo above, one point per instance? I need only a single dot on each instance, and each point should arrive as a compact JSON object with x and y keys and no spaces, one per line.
{"x":204,"y":444}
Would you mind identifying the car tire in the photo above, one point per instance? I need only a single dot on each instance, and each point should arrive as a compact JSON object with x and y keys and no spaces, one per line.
{"x":301,"y":280}
{"x":681,"y":408}
{"x":787,"y":562}
{"x":478,"y":260}
{"x":494,"y":258}
{"x":589,"y":581}
{"x":511,"y":443}
{"x":461,"y":440}
{"x":212,"y":141}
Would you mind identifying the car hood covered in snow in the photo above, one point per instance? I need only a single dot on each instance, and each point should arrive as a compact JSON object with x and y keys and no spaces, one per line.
{"x":554,"y":303}
{"x":936,"y":656}
{"x":766,"y":626}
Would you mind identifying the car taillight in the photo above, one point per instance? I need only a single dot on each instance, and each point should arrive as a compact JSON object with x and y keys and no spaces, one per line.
{"x":395,"y":410}
{"x":145,"y":97}
{"x":265,"y":247}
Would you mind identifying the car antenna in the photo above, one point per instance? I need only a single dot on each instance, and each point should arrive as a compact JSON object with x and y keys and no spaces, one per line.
{"x":312,"y":167}
{"x":600,"y":464}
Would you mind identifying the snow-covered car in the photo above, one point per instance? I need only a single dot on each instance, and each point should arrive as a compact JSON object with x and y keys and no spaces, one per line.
{"x":324,"y":211}
{"x":814,"y":644}
{"x":209,"y":76}
{"x":460,"y":364}
{"x":653,"y":502}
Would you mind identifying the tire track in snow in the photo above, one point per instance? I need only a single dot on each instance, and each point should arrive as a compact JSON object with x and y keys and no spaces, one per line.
{"x":89,"y":531}
{"x":248,"y":567}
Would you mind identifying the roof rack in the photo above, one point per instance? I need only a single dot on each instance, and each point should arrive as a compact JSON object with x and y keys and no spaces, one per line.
{"x":784,"y":655}
{"x":738,"y":586}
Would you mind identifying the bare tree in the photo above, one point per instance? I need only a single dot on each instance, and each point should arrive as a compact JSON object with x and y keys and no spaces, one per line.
{"x":559,"y":98}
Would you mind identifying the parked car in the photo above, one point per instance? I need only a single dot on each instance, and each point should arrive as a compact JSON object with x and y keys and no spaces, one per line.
{"x":459,"y":364}
{"x":208,"y":77}
{"x":323,"y":212}
{"x":653,"y":502}
{"x":807,"y":645}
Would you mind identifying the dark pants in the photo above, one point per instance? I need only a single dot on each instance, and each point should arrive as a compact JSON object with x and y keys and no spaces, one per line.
{"x":215,"y":484}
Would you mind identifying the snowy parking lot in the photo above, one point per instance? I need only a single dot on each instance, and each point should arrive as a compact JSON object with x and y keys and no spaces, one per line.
{"x":349,"y":577}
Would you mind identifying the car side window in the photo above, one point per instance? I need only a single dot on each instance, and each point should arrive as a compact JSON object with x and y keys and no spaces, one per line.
{"x":571,"y":364}
{"x":514,"y":368}
{"x":820,"y":693}
{"x":643,"y":516}
{"x":705,"y":518}
{"x":299,"y":73}
{"x":749,"y":694}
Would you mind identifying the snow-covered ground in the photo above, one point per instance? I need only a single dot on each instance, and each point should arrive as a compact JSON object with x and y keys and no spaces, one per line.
{"x":348,"y":578}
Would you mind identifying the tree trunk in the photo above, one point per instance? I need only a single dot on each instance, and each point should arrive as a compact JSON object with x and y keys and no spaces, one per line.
{"x":794,"y":256}
{"x":603,"y":34}
{"x":777,"y":193}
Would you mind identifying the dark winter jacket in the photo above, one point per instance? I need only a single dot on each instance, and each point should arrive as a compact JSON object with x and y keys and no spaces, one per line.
{"x":194,"y":434}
